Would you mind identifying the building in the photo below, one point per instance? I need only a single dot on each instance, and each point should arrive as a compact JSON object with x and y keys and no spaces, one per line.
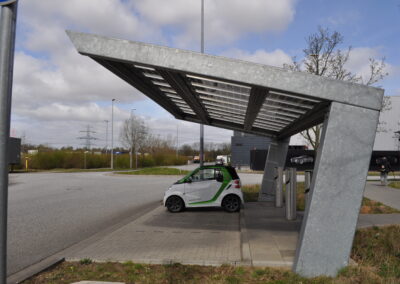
{"x":241,"y":145}
{"x":389,"y":124}
{"x":385,"y":140}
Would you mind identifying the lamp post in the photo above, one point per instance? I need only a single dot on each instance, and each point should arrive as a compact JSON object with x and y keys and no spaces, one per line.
{"x":130,"y":152}
{"x":112,"y":134}
{"x":177,"y":139}
{"x":7,"y":47}
{"x":106,"y":121}
{"x":202,"y":51}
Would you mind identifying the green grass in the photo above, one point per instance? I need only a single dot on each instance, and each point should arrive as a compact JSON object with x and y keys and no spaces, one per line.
{"x":378,"y":174}
{"x":156,"y":171}
{"x":376,"y":250}
{"x":379,"y":248}
{"x":395,"y":184}
{"x":72,"y":170}
{"x":368,"y":206}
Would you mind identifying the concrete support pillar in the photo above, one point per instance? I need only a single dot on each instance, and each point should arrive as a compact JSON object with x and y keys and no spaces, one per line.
{"x":337,"y":189}
{"x":291,"y":190}
{"x":276,"y":157}
{"x":279,"y":187}
{"x":307,"y":187}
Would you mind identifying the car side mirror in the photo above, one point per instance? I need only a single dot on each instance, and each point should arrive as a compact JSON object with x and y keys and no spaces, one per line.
{"x":189,"y":180}
{"x":220,"y":178}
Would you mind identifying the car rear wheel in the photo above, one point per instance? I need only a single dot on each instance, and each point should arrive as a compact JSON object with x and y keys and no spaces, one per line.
{"x":231,"y":203}
{"x":174,"y":204}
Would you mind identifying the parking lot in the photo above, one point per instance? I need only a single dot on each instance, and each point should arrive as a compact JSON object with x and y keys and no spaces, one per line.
{"x":201,"y":236}
{"x":49,"y":212}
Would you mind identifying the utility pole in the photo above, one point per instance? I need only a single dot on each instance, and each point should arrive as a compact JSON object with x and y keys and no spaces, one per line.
{"x":7,"y":46}
{"x":106,"y":121}
{"x":88,"y":137}
{"x":112,"y":134}
{"x":130,"y":151}
{"x":177,"y":139}
{"x":202,"y":51}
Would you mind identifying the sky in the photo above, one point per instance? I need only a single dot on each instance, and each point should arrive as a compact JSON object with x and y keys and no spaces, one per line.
{"x":57,"y":93}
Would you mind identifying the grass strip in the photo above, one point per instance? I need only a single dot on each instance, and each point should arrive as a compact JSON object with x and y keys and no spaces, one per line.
{"x":395,"y":184}
{"x":156,"y":171}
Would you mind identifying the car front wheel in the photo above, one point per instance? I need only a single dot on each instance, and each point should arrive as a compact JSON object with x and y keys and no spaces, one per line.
{"x":231,"y":203}
{"x":174,"y":204}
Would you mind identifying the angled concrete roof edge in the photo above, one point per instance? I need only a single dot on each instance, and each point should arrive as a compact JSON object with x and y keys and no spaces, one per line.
{"x":229,"y":69}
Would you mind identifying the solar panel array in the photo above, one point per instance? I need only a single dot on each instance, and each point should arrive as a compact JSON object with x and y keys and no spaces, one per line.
{"x":228,"y":102}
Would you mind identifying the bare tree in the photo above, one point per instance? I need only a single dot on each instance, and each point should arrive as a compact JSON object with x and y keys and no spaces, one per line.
{"x":134,"y":135}
{"x":323,"y":57}
{"x":386,"y":105}
{"x":155,"y":143}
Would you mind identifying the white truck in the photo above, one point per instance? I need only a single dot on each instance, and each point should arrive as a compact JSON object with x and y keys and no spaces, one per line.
{"x":223,"y":160}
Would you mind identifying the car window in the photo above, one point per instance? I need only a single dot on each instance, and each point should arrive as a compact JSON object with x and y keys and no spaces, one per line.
{"x":218,"y":173}
{"x":232,"y":172}
{"x":204,"y":174}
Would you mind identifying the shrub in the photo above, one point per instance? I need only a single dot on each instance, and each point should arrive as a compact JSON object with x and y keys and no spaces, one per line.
{"x":60,"y":159}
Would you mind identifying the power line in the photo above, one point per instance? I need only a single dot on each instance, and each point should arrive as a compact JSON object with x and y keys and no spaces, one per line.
{"x":88,"y":137}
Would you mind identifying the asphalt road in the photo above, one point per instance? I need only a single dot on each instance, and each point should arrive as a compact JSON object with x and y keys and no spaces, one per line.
{"x":51,"y":211}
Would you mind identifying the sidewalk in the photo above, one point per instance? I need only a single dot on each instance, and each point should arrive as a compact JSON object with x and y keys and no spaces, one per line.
{"x":273,"y":240}
{"x":387,"y":195}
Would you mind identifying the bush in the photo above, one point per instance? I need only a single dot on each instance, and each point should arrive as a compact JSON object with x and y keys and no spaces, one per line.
{"x":59,"y":159}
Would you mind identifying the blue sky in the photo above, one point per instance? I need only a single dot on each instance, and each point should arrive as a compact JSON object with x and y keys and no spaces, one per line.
{"x":57,"y":92}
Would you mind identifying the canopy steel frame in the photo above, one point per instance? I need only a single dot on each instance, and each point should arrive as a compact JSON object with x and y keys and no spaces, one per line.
{"x":273,"y":102}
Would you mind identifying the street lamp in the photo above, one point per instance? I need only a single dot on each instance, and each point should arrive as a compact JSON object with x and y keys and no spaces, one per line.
{"x":202,"y":51}
{"x":112,"y":134}
{"x":106,"y":121}
{"x":130,"y":152}
{"x":7,"y":48}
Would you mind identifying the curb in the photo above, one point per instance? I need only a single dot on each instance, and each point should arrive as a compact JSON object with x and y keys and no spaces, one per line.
{"x":34,"y":269}
{"x":167,"y":261}
{"x":244,"y":241}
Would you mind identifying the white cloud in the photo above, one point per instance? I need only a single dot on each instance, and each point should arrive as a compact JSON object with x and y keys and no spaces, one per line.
{"x":359,"y":61}
{"x":58,"y":91}
{"x":45,"y":21}
{"x":275,"y":58}
{"x":225,"y":20}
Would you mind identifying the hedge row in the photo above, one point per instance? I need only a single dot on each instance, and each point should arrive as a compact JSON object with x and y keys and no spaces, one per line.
{"x":70,"y":160}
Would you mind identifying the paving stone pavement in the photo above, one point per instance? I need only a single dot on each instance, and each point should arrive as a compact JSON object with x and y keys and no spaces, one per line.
{"x":208,"y":237}
{"x":260,"y":236}
{"x":272,"y":239}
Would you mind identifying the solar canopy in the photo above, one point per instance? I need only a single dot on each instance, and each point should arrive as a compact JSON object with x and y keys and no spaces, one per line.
{"x":269,"y":101}
{"x":222,"y":92}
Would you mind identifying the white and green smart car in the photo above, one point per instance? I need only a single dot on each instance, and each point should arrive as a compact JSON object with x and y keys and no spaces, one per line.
{"x":207,"y":186}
